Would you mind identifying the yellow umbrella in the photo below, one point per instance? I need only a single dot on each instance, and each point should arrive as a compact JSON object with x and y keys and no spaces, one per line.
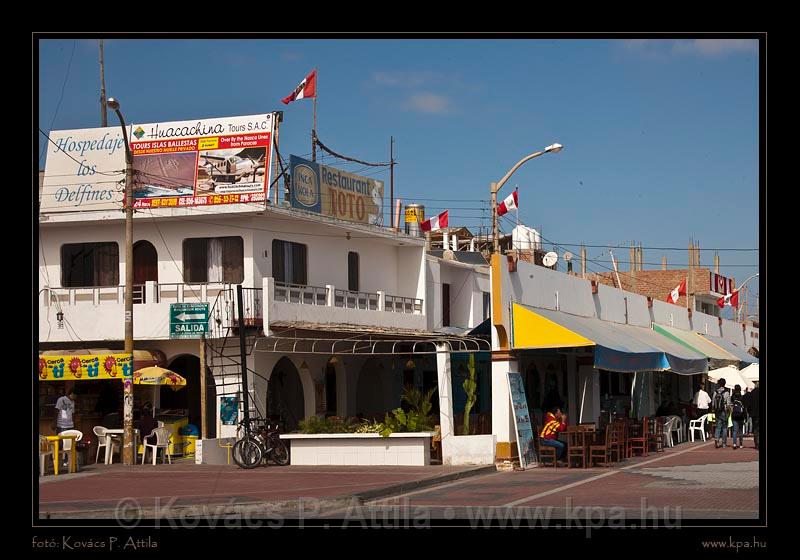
{"x":155,"y":375}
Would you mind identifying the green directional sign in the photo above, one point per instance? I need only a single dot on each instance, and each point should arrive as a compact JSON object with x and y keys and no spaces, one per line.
{"x":188,"y":320}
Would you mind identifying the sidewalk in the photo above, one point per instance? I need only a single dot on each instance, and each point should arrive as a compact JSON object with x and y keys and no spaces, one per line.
{"x":183,"y":488}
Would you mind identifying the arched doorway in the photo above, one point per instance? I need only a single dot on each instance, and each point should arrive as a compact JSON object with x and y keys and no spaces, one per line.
{"x":188,"y":398}
{"x":330,"y":388}
{"x":145,"y":267}
{"x":371,"y":391}
{"x":285,"y":398}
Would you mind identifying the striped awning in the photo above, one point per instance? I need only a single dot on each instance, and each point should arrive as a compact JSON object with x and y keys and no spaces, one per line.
{"x":717,"y":356}
{"x":730,"y":347}
{"x":617,"y":347}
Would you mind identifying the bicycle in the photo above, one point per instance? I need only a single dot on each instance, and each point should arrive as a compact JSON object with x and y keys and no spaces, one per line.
{"x":259,"y":443}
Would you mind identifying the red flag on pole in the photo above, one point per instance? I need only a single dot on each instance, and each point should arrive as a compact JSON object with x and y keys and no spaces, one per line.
{"x":436,"y":223}
{"x":510,"y":203}
{"x":729,"y":299}
{"x":307,"y":88}
{"x":680,"y":290}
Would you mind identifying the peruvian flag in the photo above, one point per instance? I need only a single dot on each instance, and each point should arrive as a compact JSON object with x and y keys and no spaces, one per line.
{"x":680,"y":290}
{"x":437,"y":223}
{"x":730,"y":299}
{"x":510,"y":203}
{"x":307,"y":88}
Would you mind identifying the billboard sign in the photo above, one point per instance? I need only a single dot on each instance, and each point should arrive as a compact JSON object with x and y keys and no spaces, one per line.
{"x":719,"y":285}
{"x":188,"y":163}
{"x":522,"y":421}
{"x":335,"y":193}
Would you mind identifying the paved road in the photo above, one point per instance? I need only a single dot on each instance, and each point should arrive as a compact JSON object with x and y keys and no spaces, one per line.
{"x":692,"y":480}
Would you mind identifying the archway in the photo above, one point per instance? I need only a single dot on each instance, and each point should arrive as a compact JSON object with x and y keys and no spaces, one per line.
{"x":188,"y":398}
{"x":145,"y":262}
{"x":285,"y":398}
{"x":331,"y":389}
{"x":371,"y":390}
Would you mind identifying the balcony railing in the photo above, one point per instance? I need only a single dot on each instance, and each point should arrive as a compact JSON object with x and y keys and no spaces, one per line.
{"x":399,"y":304}
{"x":356,"y":300}
{"x":297,"y":293}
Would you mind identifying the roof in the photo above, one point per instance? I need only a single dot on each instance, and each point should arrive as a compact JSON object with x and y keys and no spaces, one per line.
{"x":466,"y":257}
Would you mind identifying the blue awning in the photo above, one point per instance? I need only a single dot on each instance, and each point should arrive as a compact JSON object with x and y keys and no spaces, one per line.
{"x":732,"y":348}
{"x":618,"y":347}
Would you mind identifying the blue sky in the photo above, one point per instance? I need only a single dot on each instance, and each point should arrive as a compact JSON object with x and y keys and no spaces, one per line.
{"x":661,"y":136}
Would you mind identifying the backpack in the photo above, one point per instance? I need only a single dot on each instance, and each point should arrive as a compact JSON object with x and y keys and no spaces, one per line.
{"x":719,"y":402}
{"x":737,"y":412}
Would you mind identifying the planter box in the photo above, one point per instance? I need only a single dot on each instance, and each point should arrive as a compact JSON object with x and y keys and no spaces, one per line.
{"x":406,"y":449}
{"x":469,"y":450}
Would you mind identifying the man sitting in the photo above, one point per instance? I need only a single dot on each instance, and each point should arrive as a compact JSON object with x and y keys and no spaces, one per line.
{"x":554,"y":422}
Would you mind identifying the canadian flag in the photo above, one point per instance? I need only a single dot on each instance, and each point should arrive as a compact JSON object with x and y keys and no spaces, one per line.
{"x":437,"y":223}
{"x":510,"y":203}
{"x":307,"y":88}
{"x":680,"y":290}
{"x":730,"y":299}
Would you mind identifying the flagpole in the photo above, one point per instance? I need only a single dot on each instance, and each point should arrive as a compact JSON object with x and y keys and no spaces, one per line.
{"x":516,"y":207}
{"x":314,"y":129}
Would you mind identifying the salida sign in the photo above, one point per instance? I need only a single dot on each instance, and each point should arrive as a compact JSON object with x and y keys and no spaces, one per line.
{"x":188,"y":320}
{"x":336,"y":193}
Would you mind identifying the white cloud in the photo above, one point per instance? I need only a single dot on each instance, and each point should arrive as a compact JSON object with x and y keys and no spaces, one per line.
{"x":406,"y":79}
{"x":428,"y":103}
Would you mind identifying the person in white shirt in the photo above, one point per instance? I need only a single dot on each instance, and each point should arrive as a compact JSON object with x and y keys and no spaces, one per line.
{"x":65,"y":408}
{"x":701,"y":402}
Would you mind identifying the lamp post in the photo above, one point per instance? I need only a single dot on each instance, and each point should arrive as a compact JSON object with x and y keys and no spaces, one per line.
{"x":495,"y":187}
{"x":738,"y":311}
{"x":127,"y":413}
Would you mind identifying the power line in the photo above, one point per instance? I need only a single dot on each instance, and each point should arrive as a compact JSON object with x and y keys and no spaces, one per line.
{"x":61,"y":97}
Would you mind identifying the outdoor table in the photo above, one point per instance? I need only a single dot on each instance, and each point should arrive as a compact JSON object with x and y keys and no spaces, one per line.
{"x":121,"y":431}
{"x":586,"y":433}
{"x":73,"y":463}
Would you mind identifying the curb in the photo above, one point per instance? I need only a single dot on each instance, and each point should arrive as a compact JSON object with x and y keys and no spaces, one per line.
{"x":404,"y":487}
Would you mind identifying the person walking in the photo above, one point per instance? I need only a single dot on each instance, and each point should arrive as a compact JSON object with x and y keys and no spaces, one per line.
{"x":738,"y":415}
{"x":752,"y":404}
{"x":721,"y":406}
{"x":65,"y":409}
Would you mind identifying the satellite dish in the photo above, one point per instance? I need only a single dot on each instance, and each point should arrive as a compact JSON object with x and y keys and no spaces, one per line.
{"x":550,"y":258}
{"x":567,"y":256}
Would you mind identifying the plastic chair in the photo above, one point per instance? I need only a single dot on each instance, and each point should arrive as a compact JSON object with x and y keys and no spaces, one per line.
{"x":668,"y":428}
{"x":66,"y":444}
{"x":103,"y":440}
{"x":163,"y":436}
{"x":45,"y":449}
{"x":698,"y":425}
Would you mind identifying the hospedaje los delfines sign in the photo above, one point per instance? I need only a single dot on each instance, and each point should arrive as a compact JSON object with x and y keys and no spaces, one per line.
{"x":335,"y":193}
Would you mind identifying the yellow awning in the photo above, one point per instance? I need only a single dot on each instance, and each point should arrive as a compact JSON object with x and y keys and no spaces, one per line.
{"x":158,"y":376}
{"x":532,"y":330}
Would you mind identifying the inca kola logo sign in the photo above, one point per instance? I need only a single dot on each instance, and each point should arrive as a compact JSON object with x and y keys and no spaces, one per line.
{"x":304,"y":183}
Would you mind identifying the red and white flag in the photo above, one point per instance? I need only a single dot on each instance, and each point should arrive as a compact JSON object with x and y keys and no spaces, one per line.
{"x":680,"y":290}
{"x":307,"y":88}
{"x":730,"y":299}
{"x":437,"y":223}
{"x":510,"y":203}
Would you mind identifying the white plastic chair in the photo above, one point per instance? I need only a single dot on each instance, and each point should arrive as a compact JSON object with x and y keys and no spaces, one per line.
{"x":45,"y":449}
{"x":66,"y":444}
{"x":163,"y":436}
{"x":676,"y":426}
{"x":698,"y":425}
{"x":103,"y":440}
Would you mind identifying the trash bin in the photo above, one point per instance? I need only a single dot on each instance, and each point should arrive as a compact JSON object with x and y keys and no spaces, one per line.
{"x":188,"y":450}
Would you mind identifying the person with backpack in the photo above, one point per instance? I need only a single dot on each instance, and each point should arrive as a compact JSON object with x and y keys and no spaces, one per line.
{"x":738,"y":415}
{"x":751,"y":403}
{"x":721,"y":406}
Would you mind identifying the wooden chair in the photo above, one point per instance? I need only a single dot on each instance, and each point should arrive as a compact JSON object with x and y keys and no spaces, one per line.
{"x":548,"y":456}
{"x":604,"y":451}
{"x":618,"y":443}
{"x":576,"y":447}
{"x":637,"y":437}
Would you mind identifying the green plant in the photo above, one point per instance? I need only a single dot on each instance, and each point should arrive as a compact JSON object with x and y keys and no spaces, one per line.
{"x":470,"y":387}
{"x":330,"y":425}
{"x":370,"y":427}
{"x":418,"y":419}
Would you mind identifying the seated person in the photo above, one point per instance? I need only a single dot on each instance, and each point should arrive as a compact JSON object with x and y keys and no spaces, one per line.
{"x":554,"y":422}
{"x":146,"y":424}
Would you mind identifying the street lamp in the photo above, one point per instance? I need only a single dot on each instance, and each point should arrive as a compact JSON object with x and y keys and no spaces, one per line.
{"x":127,"y":413}
{"x":495,"y":187}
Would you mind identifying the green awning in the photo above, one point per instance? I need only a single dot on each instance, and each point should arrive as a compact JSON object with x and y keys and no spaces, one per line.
{"x":717,"y":357}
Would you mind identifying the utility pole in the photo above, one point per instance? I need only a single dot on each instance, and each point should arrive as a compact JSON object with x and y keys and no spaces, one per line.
{"x":203,"y":423}
{"x":614,"y":262}
{"x":391,"y":181}
{"x":243,"y":356}
{"x":103,"y":113}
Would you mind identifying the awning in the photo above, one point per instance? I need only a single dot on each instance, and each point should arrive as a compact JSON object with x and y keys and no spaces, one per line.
{"x":730,"y":347}
{"x":750,"y":373}
{"x":717,"y":356}
{"x":155,"y":375}
{"x":617,"y":347}
{"x":94,"y":363}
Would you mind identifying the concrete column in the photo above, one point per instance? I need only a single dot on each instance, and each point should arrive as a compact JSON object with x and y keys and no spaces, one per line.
{"x":268,"y":287}
{"x":329,"y":296}
{"x":381,"y":300}
{"x":445,"y":392}
{"x":502,"y":413}
{"x":150,"y":292}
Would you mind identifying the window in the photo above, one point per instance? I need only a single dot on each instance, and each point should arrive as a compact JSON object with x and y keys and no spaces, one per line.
{"x":352,"y":271}
{"x":213,"y":259}
{"x":289,"y":262}
{"x":487,"y":305}
{"x":445,"y":305}
{"x":89,"y":264}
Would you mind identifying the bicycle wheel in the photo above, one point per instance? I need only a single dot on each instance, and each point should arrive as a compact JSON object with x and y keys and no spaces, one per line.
{"x":247,"y":453}
{"x":280,"y":453}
